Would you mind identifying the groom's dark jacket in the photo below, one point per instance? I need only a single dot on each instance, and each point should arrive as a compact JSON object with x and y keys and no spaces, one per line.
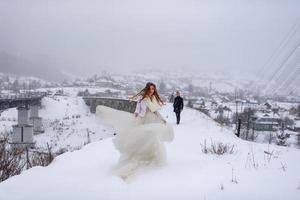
{"x":178,"y":104}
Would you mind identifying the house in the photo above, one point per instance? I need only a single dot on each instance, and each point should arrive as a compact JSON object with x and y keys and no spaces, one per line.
{"x":252,"y":103}
{"x":266,"y":122}
{"x":109,"y":94}
{"x":83,"y":93}
{"x":199,"y":103}
{"x":60,"y":93}
{"x":297,"y":125}
{"x":268,"y":105}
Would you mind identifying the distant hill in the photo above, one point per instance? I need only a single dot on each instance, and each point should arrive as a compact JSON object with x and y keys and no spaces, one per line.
{"x":18,"y":65}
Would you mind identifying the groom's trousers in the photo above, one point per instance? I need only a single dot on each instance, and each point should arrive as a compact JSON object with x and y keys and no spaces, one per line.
{"x":178,"y":116}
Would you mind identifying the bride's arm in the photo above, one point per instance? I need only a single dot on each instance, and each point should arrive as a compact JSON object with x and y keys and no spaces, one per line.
{"x":140,"y":109}
{"x":137,"y":107}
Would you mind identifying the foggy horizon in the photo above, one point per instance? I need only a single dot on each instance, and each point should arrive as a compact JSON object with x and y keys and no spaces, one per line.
{"x":86,"y":37}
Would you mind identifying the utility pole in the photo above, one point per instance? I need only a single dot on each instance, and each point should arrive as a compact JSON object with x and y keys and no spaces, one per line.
{"x":239,"y":127}
{"x":248,"y":123}
{"x":236,"y":110}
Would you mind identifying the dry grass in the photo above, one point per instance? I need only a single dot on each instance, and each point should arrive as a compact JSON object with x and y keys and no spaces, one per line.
{"x":218,"y":148}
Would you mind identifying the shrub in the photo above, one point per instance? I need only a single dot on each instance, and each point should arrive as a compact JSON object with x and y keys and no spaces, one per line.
{"x":218,"y":148}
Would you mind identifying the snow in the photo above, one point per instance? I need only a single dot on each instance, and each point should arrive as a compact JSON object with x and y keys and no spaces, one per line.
{"x":7,"y":119}
{"x":189,"y":174}
{"x":70,"y":114}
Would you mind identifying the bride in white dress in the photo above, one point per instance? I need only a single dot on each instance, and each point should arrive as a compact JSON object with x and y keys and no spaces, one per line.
{"x":140,"y":136}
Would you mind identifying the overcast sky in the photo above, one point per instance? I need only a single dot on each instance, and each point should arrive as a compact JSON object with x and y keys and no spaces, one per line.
{"x":85,"y":36}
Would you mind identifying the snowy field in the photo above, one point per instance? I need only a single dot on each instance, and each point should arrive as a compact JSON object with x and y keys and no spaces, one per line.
{"x":253,"y":171}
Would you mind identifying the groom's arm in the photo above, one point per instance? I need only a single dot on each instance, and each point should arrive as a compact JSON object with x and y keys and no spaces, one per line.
{"x":182,"y":104}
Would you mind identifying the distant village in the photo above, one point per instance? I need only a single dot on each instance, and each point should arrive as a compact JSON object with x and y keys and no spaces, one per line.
{"x":268,"y":119}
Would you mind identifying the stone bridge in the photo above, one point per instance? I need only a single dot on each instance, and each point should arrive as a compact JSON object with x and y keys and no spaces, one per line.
{"x":6,"y":103}
{"x":22,"y":135}
{"x":119,"y":104}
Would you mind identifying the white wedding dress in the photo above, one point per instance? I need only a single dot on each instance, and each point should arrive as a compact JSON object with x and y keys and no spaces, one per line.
{"x":138,"y":139}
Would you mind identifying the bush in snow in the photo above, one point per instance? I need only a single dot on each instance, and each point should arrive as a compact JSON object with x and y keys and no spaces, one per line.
{"x":11,"y":161}
{"x":218,"y":148}
{"x":14,"y":160}
{"x":282,"y":138}
{"x":39,"y":159}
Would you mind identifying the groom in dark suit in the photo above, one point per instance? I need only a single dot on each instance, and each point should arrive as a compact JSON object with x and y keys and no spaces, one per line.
{"x":178,"y":106}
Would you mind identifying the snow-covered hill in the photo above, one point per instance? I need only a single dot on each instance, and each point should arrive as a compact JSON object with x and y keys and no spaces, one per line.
{"x":253,"y":171}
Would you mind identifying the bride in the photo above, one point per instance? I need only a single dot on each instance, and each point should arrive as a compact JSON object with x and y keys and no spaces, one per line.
{"x":140,"y":136}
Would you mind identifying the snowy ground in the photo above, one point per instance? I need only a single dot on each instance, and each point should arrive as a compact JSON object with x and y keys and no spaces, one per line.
{"x":249,"y":173}
{"x":68,"y":122}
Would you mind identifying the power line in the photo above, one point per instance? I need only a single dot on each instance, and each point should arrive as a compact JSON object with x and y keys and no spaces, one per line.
{"x":287,"y":82}
{"x":282,"y":45}
{"x":282,"y":79}
{"x":281,"y":66}
{"x":295,"y":88}
{"x":297,"y":84}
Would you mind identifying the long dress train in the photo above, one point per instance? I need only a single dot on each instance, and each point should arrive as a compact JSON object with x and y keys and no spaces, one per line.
{"x":139,"y":139}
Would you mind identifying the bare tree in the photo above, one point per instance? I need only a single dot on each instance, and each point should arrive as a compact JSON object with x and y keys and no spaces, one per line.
{"x":14,"y":160}
{"x":11,"y":161}
{"x":246,"y":123}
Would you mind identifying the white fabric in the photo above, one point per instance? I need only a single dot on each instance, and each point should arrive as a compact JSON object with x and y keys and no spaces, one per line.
{"x":146,"y":103}
{"x":139,"y":139}
{"x":140,"y":108}
{"x":152,"y":104}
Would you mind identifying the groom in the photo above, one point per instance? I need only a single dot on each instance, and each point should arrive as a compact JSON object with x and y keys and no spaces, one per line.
{"x":178,"y":106}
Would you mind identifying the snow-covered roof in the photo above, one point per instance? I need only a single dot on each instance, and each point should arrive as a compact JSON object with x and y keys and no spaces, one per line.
{"x":267,"y":115}
{"x":266,"y":123}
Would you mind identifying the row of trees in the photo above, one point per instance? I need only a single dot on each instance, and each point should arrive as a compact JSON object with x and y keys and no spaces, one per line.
{"x":246,"y":128}
{"x":295,"y":111}
{"x":16,"y":85}
{"x":248,"y":132}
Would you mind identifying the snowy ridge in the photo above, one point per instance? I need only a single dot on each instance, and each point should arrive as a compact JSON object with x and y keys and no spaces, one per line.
{"x":246,"y":174}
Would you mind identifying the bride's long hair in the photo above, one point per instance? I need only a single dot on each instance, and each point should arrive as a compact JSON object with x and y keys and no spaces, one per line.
{"x":145,"y":91}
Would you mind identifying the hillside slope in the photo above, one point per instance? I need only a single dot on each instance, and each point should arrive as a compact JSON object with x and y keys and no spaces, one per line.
{"x":190,"y":173}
